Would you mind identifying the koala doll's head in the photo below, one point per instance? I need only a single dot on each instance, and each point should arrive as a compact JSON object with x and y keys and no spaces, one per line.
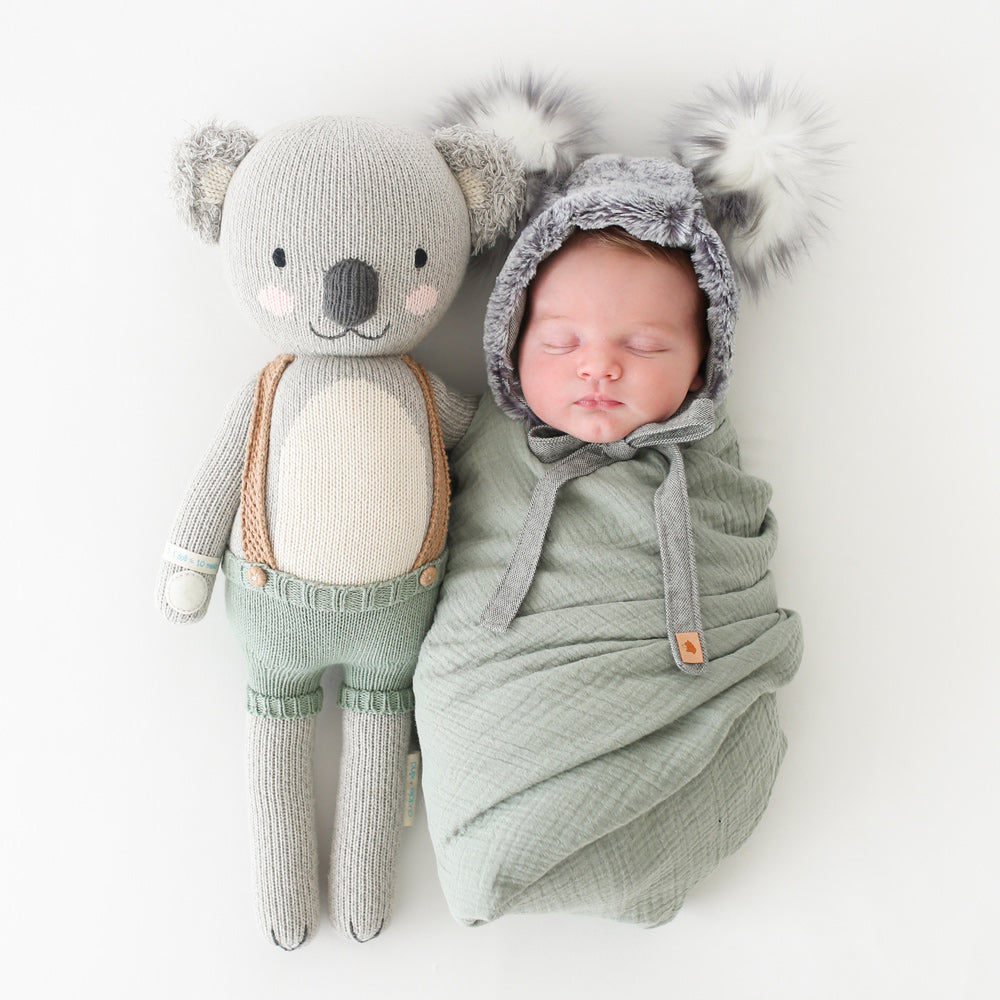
{"x":345,"y":236}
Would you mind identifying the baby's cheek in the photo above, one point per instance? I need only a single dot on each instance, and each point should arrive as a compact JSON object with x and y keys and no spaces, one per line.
{"x":421,"y":300}
{"x":276,"y":300}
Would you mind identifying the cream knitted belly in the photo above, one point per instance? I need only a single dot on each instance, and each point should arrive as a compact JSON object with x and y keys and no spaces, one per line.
{"x":351,"y":507}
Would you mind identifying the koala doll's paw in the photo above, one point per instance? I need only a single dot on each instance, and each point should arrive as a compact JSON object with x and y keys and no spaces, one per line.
{"x":186,"y":592}
{"x":182,"y":595}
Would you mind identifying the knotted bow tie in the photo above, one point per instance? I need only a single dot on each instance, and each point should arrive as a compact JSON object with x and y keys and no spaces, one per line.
{"x":570,"y":458}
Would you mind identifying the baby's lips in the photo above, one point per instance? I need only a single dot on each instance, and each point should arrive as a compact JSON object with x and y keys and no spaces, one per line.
{"x":598,"y":402}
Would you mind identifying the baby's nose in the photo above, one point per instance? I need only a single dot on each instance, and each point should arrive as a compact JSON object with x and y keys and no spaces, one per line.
{"x":598,"y":364}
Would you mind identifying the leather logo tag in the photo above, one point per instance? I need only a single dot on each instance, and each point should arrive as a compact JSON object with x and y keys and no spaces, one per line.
{"x":690,"y":647}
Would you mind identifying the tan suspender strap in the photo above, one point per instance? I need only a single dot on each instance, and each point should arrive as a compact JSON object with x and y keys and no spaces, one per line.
{"x":253,"y":508}
{"x":437,"y":529}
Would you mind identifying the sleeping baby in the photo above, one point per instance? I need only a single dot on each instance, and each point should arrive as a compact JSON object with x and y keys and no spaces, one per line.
{"x":596,"y":697}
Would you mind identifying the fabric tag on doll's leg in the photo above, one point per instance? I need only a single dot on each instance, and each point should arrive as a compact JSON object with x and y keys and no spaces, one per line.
{"x":412,"y":788}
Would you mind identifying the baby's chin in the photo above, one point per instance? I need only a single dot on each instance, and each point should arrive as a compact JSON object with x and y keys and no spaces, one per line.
{"x":605,"y":426}
{"x":602,"y":428}
{"x":602,"y":437}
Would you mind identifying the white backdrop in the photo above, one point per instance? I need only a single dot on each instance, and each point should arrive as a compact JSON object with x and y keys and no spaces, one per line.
{"x":864,"y":392}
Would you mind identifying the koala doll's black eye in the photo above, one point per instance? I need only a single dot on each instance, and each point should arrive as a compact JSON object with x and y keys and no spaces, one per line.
{"x":420,"y":258}
{"x":278,"y":257}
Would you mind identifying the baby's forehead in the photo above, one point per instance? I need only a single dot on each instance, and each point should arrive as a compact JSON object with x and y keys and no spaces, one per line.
{"x":588,"y":268}
{"x":590,"y":248}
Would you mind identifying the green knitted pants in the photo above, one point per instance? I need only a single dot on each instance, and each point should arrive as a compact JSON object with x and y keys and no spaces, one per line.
{"x":292,"y":630}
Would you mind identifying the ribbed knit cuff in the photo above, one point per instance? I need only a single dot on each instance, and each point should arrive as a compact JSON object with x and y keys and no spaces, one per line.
{"x":382,"y":702}
{"x":293,"y":707}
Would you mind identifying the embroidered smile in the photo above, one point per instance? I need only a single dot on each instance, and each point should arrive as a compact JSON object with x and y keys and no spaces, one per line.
{"x":350,"y":329}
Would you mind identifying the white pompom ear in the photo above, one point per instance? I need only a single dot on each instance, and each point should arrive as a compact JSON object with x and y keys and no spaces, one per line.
{"x":549,"y":126}
{"x":760,"y":157}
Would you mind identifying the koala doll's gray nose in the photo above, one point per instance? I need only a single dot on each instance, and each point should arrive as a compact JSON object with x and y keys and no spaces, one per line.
{"x":350,"y":292}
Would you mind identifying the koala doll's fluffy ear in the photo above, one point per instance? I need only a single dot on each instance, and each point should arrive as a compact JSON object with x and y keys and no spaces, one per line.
{"x":504,"y":140}
{"x":491,"y":177}
{"x":760,"y":157}
{"x":204,"y":161}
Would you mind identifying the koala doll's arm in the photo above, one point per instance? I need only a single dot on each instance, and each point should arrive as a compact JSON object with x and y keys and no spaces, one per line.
{"x":456,"y":410}
{"x":203,"y":523}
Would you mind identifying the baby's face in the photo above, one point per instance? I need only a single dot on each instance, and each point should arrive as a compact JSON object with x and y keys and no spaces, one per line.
{"x":611,"y":340}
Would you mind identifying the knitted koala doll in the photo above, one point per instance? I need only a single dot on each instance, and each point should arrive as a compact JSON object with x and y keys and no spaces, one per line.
{"x":324,"y":496}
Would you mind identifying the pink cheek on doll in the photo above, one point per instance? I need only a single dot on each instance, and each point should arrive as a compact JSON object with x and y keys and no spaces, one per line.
{"x":421,"y":300}
{"x":276,"y":301}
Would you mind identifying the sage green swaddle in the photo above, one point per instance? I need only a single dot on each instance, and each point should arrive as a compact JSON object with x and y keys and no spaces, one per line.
{"x":596,"y":697}
{"x":568,"y":765}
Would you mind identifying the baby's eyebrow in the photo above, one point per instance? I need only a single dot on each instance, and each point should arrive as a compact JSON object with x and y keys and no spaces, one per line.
{"x":548,"y":317}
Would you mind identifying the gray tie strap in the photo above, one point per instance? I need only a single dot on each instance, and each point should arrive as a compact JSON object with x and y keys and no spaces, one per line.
{"x":570,"y":459}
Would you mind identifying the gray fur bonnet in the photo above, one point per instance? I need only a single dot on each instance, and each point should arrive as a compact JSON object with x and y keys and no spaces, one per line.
{"x":741,"y":191}
{"x":653,"y":200}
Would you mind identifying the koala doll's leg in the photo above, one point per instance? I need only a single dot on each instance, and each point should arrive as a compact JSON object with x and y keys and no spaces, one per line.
{"x":377,"y":702}
{"x":282,"y":811}
{"x":369,"y":820}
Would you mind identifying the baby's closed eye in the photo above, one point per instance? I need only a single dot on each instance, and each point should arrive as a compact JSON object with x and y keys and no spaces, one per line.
{"x":559,"y":345}
{"x":647,"y":346}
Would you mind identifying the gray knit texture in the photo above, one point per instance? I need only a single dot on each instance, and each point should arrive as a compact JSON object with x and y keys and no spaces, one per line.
{"x":369,"y":821}
{"x":455,"y":409}
{"x":376,"y":193}
{"x":205,"y":517}
{"x":283,"y":826}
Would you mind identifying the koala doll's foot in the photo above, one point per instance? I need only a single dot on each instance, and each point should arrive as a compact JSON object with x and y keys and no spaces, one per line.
{"x":282,"y":808}
{"x":369,"y":821}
